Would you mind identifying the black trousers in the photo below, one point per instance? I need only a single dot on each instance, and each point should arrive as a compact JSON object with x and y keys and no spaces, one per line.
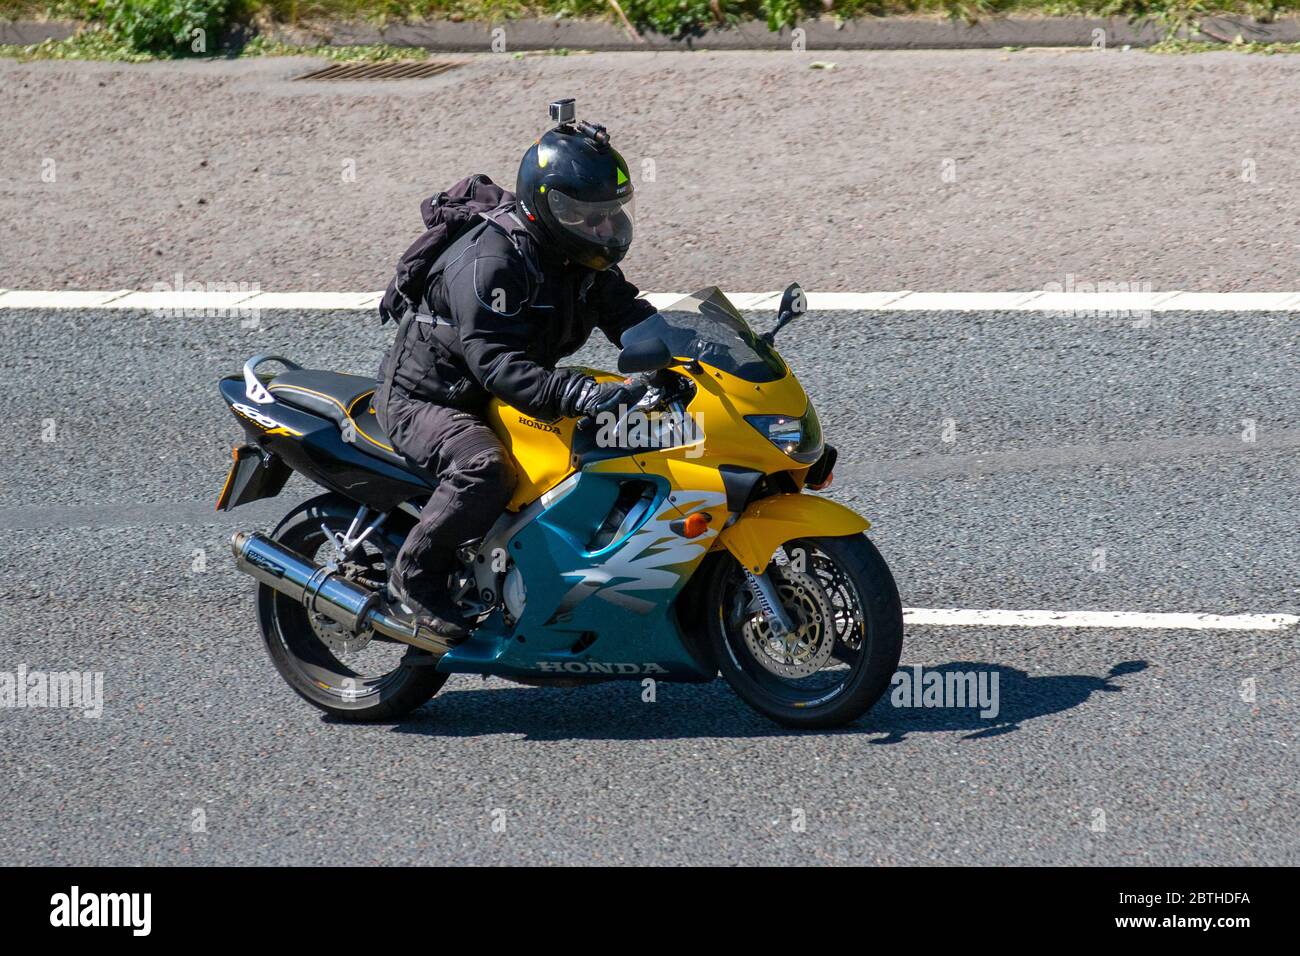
{"x":475,"y":481}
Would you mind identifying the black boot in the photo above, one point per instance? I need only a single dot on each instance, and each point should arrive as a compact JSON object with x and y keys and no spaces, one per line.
{"x":429,"y":612}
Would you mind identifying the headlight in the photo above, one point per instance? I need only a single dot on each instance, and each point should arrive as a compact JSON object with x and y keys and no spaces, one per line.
{"x":800,"y":438}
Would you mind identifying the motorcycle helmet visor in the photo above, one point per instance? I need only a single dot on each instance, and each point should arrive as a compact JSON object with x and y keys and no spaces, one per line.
{"x":606,"y":223}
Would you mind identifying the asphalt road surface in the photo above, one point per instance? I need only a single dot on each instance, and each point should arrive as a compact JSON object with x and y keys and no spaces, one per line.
{"x":932,"y":171}
{"x":1006,"y":460}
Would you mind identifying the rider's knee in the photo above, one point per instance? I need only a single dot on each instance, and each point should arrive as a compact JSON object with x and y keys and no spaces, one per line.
{"x":495,"y":474}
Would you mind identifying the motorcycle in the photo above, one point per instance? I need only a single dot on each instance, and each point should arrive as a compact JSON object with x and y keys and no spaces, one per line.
{"x":673,"y":541}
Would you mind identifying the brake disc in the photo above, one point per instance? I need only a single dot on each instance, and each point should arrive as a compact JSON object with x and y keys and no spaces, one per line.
{"x":811,"y":640}
{"x":337,"y":638}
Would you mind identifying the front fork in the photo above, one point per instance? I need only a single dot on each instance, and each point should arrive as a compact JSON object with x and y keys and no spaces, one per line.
{"x":769,"y":601}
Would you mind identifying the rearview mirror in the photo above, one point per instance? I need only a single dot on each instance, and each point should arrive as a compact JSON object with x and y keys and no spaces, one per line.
{"x":793,"y":302}
{"x":644,"y":355}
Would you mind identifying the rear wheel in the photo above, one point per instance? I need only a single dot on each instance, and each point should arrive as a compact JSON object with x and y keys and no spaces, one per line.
{"x":357,"y":677}
{"x":845,"y":642}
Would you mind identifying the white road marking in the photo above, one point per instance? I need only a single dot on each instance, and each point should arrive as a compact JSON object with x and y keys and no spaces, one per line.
{"x":1066,"y":303}
{"x":20,"y":299}
{"x":959,"y":617}
{"x":364,"y":301}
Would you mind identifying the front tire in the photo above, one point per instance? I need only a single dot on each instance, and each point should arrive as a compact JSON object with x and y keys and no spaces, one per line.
{"x":361,"y":679}
{"x":848,"y":637}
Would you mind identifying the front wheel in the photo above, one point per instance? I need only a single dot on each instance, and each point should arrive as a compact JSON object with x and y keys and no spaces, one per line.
{"x":845,"y":642}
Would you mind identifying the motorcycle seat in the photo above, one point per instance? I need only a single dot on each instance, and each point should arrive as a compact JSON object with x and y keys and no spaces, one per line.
{"x":340,"y":398}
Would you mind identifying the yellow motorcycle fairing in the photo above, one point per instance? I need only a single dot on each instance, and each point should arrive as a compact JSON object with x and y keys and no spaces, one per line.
{"x":767,"y":524}
{"x":542,"y":452}
{"x":721,"y":403}
{"x":543,"y":457}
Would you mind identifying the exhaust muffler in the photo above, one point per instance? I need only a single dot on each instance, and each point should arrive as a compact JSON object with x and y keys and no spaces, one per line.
{"x":322,"y":590}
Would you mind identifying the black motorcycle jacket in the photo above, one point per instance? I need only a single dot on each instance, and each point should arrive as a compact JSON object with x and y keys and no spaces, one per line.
{"x":497,"y":316}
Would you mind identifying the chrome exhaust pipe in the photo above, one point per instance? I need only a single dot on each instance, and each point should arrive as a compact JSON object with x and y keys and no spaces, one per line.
{"x":322,"y":590}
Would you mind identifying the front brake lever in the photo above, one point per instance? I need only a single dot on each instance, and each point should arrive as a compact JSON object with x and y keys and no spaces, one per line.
{"x":647,"y":400}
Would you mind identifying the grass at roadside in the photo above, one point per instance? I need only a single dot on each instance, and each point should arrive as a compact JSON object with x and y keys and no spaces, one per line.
{"x":146,"y":29}
{"x":679,"y":14}
{"x":97,"y":45}
{"x":100,"y":45}
{"x":1239,"y":45}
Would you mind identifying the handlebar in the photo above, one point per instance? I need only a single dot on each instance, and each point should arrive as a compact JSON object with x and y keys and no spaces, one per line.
{"x":649,"y":397}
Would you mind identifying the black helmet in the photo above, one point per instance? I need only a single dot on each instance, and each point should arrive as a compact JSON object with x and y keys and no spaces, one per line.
{"x":575,"y":193}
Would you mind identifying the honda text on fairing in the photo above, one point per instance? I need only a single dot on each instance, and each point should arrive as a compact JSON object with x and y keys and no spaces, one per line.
{"x":674,"y":542}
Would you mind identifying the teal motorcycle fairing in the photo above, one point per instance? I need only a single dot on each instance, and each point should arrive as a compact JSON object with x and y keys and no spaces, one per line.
{"x":597,"y":600}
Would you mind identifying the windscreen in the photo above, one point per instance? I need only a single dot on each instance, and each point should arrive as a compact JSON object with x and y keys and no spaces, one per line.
{"x":707,"y":328}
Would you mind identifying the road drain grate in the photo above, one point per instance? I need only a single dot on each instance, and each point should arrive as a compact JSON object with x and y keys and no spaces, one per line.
{"x":390,"y":70}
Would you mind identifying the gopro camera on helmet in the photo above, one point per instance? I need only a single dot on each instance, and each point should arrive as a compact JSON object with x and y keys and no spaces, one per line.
{"x":563,"y":112}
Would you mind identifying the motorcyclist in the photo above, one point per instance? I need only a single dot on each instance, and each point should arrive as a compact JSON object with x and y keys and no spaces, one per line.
{"x":514,"y":294}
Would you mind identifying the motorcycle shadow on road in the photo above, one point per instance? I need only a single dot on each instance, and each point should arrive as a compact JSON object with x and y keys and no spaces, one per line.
{"x":1003,"y":698}
{"x":1000,"y":700}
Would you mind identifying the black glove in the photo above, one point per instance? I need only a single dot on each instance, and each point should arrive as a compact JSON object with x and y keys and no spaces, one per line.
{"x":584,"y":397}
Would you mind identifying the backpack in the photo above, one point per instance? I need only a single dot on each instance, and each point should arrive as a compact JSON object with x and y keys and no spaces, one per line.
{"x":446,"y":216}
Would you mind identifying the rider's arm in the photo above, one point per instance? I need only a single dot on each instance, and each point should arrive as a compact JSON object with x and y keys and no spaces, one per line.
{"x":616,"y":303}
{"x":489,"y":304}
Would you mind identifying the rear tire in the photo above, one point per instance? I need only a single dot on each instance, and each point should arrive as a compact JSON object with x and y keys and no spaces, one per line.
{"x":401,"y":681}
{"x":858,"y":654}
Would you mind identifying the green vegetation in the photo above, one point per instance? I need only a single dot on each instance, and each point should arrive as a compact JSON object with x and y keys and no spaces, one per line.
{"x":135,"y":29}
{"x":98,"y":44}
{"x":90,"y":44}
{"x":163,"y":26}
{"x":1238,"y":44}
